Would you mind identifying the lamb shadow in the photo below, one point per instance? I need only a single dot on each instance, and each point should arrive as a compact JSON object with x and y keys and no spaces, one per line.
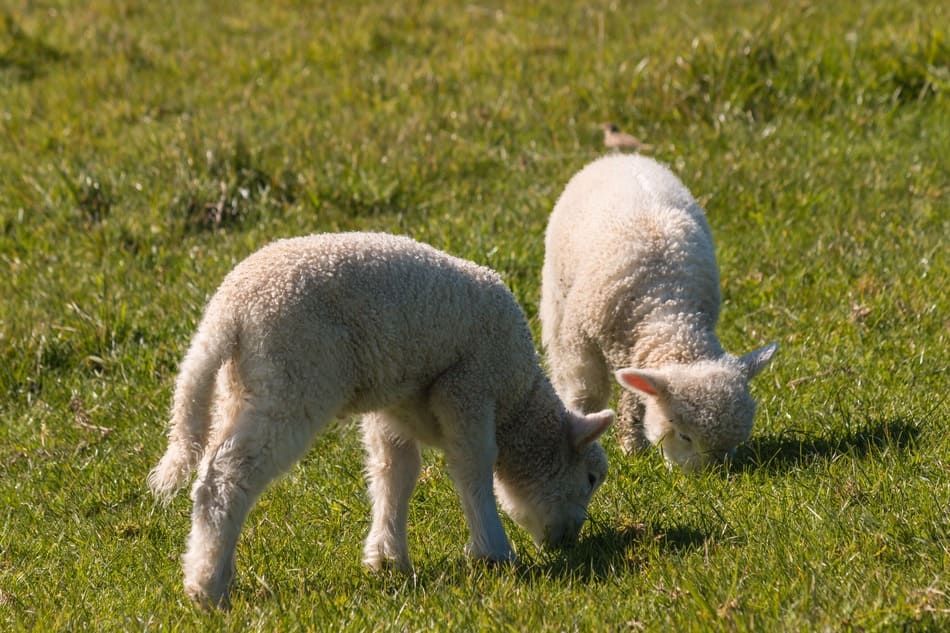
{"x":612,"y":549}
{"x":793,"y":448}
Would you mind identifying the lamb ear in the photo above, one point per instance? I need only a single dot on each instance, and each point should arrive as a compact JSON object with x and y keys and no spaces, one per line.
{"x":641,"y":381}
{"x":756,"y":361}
{"x":588,"y":428}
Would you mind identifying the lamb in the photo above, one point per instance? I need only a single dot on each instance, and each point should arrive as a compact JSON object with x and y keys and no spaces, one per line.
{"x":630,"y":285}
{"x":430,"y":348}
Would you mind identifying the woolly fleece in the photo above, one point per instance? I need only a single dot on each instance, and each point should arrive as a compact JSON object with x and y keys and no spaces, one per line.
{"x":431,"y":348}
{"x":630,"y":283}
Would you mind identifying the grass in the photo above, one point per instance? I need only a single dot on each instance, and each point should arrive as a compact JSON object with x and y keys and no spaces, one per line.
{"x":145,"y":148}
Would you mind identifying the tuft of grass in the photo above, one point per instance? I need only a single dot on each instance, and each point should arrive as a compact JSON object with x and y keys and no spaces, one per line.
{"x":766,"y":72}
{"x":228,"y":187}
{"x":92,"y":198}
{"x":24,"y":57}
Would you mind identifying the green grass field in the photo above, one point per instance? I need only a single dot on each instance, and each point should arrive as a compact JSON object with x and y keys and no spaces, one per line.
{"x":146,"y":147}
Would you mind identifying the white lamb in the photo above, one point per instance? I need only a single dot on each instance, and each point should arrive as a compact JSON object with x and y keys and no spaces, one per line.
{"x":630,"y":285}
{"x":432,"y":348}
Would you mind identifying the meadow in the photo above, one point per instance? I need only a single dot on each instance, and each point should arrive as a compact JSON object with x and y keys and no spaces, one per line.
{"x":146,"y":148}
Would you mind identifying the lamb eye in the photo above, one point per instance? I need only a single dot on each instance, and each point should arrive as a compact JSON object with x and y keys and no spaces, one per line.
{"x":685,"y":437}
{"x":591,"y":479}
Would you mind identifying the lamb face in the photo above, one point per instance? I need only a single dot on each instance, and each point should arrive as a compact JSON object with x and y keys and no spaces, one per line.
{"x":706,"y":412}
{"x":698,"y":413}
{"x":552,"y":508}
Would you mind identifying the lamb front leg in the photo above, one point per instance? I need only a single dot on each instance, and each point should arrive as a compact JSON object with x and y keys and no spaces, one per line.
{"x":579,"y":373}
{"x":471,"y":471}
{"x":470,"y":453}
{"x":630,"y":431}
{"x":466,"y":420}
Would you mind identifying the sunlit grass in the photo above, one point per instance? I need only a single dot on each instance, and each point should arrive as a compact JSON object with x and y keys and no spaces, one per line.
{"x":145,"y":148}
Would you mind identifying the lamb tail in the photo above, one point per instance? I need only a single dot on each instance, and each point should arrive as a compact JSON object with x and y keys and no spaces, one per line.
{"x":214,"y":343}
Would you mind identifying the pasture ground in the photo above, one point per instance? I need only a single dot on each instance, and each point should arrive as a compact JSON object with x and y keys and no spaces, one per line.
{"x":146,"y":147}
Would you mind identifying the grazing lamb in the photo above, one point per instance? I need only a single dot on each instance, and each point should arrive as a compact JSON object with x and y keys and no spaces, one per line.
{"x":630,"y":284}
{"x":433,"y":349}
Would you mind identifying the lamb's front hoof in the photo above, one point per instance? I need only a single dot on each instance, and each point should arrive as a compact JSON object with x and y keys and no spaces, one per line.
{"x":496,"y":556}
{"x":632,"y":442}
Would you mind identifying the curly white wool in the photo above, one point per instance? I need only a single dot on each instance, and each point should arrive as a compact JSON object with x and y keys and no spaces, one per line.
{"x":630,"y":285}
{"x":431,"y":348}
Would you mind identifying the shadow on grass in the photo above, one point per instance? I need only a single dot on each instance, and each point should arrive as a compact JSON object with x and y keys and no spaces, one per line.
{"x":611,"y":550}
{"x":793,"y":449}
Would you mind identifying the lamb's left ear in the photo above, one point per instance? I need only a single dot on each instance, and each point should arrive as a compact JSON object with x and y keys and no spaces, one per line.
{"x":754,"y":362}
{"x":588,"y":428}
{"x":651,"y":383}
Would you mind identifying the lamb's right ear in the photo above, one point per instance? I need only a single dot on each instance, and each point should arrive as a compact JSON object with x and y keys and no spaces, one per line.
{"x":588,"y":428}
{"x":641,"y":381}
{"x":755,"y":361}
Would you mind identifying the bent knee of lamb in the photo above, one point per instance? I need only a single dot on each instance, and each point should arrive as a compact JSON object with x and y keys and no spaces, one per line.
{"x":431,"y":348}
{"x":630,"y":291}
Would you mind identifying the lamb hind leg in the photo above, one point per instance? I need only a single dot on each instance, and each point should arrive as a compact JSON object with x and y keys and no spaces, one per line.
{"x":392,"y":467}
{"x":257,"y":448}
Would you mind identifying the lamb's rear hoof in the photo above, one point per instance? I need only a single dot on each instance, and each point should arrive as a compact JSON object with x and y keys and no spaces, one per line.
{"x":205,"y":600}
{"x":380,"y":557}
{"x":380,"y":564}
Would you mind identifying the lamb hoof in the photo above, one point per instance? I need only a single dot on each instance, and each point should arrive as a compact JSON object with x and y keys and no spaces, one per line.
{"x":387,"y":564}
{"x":377,"y":560}
{"x":633,"y":443}
{"x":501,"y":557}
{"x":207,"y":601}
